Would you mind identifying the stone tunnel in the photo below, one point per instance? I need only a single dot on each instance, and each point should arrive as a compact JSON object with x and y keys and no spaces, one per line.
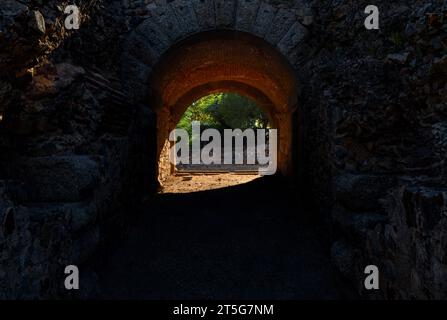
{"x":361,"y":116}
{"x":218,"y":62}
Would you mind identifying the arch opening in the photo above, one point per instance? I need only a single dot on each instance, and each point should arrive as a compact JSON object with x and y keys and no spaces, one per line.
{"x":207,"y":123}
{"x":209,"y":119}
{"x":223,"y":62}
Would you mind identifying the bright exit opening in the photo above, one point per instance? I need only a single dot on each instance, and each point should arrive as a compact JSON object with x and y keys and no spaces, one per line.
{"x":220,"y":111}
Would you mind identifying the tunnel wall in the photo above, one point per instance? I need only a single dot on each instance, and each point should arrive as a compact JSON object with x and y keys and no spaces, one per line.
{"x":375,"y":143}
{"x":372,"y":113}
{"x":62,"y":192}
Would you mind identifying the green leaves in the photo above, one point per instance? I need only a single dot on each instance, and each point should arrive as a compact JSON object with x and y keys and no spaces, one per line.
{"x":224,"y":111}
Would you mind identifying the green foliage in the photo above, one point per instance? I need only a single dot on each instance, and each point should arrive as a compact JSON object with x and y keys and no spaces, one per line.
{"x":198,"y":111}
{"x":224,"y":111}
{"x":237,"y":112}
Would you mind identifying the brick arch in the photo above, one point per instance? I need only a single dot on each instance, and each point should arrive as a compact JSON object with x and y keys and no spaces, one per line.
{"x":262,"y":101}
{"x":170,"y":22}
{"x":188,"y":49}
{"x":223,"y":61}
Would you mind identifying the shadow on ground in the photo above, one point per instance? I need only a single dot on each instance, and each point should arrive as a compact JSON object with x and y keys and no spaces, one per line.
{"x":250,"y":241}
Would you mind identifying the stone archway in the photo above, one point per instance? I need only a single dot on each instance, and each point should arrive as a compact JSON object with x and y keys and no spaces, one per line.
{"x":77,"y":132}
{"x":223,"y":62}
{"x":245,"y":47}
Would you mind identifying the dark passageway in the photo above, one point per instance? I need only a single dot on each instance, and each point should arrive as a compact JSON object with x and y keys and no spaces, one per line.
{"x":243,"y":242}
{"x":86,"y":115}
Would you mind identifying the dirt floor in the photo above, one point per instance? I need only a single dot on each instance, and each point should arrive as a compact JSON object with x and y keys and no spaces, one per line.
{"x":247,"y":241}
{"x":186,"y":183}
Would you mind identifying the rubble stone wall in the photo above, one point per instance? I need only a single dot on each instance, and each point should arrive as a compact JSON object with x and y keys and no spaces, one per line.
{"x":374,"y":106}
{"x":78,"y":140}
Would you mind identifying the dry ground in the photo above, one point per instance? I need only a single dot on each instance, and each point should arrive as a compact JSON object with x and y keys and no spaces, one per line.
{"x":206,"y":238}
{"x":186,"y":183}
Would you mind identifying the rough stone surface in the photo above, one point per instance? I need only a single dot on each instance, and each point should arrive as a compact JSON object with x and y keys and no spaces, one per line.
{"x":165,"y":16}
{"x":372,"y":127}
{"x":26,"y":35}
{"x":281,"y":24}
{"x":292,"y":39}
{"x":186,"y":15}
{"x":409,"y":248}
{"x":57,"y":179}
{"x":224,"y":10}
{"x":205,"y":13}
{"x":264,"y":18}
{"x":362,"y":192}
{"x":376,"y":107}
{"x":246,"y":14}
